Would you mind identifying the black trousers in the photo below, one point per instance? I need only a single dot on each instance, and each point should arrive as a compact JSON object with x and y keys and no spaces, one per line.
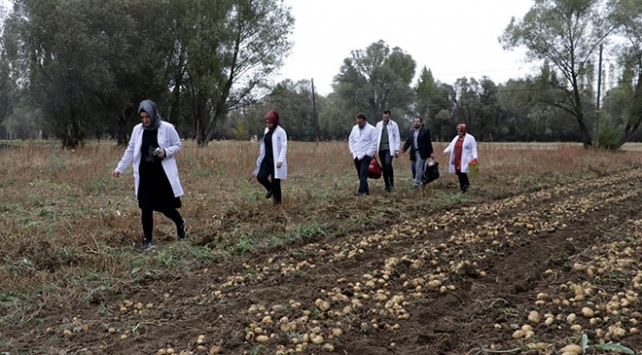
{"x":362,"y":171}
{"x":147,"y":217}
{"x":386,"y":161}
{"x":265,"y":171}
{"x":463,"y":180}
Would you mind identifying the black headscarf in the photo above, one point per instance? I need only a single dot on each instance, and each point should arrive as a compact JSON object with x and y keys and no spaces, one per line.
{"x":150,"y":107}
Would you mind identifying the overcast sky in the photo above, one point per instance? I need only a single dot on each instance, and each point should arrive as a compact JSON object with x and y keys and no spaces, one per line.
{"x":452,"y":38}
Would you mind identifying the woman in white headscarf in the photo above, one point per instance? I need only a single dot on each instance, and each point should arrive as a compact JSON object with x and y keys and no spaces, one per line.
{"x":151,"y":151}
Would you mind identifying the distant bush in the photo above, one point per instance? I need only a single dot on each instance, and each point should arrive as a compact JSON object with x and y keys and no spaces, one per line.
{"x":610,"y":139}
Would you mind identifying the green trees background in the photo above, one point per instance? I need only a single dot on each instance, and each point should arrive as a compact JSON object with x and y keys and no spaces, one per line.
{"x":75,"y":70}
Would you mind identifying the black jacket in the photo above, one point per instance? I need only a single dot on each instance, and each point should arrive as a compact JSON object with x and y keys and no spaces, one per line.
{"x":423,"y":141}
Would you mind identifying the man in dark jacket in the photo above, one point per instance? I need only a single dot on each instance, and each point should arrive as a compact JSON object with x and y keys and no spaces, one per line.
{"x":420,"y":145}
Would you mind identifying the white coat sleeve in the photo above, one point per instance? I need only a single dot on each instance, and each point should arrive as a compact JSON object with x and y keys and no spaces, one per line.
{"x":284,"y":146}
{"x":374,"y":145}
{"x":474,"y":146}
{"x":352,"y":139}
{"x":128,"y":156}
{"x":175,"y":142}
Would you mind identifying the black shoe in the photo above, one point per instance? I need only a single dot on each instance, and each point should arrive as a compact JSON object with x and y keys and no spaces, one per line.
{"x":268,"y":194}
{"x":147,"y":246}
{"x":180,"y":231}
{"x":464,"y":188}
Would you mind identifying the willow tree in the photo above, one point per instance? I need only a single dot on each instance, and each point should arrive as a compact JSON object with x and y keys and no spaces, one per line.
{"x":86,"y":61}
{"x":229,"y":49}
{"x":567,"y":34}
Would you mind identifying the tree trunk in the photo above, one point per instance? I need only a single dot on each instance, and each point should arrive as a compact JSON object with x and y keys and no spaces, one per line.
{"x":121,"y":134}
{"x":586,"y":136}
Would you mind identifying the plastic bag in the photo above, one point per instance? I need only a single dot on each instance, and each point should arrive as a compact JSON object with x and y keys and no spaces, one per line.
{"x":432,"y":172}
{"x":374,"y":169}
{"x":473,"y":168}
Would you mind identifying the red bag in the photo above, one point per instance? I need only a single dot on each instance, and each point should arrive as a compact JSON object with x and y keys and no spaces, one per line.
{"x":374,"y":169}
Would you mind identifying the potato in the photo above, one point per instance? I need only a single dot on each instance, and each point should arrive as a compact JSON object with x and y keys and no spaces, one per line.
{"x":571,"y":348}
{"x":587,"y":312}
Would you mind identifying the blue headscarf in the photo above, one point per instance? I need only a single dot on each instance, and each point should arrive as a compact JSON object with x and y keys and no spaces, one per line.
{"x":150,"y":107}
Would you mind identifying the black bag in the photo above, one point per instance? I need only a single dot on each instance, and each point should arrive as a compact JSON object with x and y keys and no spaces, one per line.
{"x":432,"y":173}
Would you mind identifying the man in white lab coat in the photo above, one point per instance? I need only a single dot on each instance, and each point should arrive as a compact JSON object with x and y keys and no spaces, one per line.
{"x":388,"y":144}
{"x":363,"y":145}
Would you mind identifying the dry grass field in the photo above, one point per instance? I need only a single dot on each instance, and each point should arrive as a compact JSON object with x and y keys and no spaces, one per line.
{"x":543,"y":252}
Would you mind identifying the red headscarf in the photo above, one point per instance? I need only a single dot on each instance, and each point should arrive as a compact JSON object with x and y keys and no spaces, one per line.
{"x":273,"y":117}
{"x":463,"y":127}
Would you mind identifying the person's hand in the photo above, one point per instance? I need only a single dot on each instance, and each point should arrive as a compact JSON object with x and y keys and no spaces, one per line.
{"x":279,"y":164}
{"x":115,"y":174}
{"x":161,"y":154}
{"x":396,"y":154}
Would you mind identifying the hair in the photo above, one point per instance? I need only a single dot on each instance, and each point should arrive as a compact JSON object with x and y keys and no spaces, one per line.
{"x":273,"y":117}
{"x":386,"y":111}
{"x":362,"y":116}
{"x":420,"y":119}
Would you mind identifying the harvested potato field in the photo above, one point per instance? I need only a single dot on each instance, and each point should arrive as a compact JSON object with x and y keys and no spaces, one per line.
{"x":542,"y":254}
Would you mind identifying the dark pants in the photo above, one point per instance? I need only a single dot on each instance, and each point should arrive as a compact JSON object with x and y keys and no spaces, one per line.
{"x":362,"y":170}
{"x":463,"y":180}
{"x":388,"y":174}
{"x":147,"y":217}
{"x":275,"y":185}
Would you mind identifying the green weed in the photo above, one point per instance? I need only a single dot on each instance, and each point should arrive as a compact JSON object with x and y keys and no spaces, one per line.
{"x":243,"y":246}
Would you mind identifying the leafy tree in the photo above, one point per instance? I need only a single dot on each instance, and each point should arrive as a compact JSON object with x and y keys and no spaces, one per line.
{"x":336,"y":118}
{"x":8,"y":87}
{"x":566,"y":33}
{"x":516,"y":98}
{"x":231,"y":52}
{"x":130,"y":45}
{"x":443,"y":103}
{"x":88,"y":63}
{"x":86,"y":60}
{"x":376,"y":78}
{"x":293,"y":101}
{"x":467,"y":104}
{"x":627,"y":16}
{"x":425,"y":89}
{"x":490,"y":121}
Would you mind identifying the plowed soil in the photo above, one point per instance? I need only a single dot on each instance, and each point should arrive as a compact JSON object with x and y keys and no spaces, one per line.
{"x":445,"y":281}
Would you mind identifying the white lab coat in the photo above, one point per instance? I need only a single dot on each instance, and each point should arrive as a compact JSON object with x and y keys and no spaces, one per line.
{"x":468,"y":153}
{"x":279,"y":153}
{"x":362,"y":141}
{"x":168,"y":140}
{"x":394,"y":138}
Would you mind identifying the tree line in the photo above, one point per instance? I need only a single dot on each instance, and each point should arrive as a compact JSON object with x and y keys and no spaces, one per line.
{"x":76,"y":69}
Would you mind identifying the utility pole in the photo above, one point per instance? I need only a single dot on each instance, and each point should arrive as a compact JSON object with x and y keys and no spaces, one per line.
{"x":597,"y":104}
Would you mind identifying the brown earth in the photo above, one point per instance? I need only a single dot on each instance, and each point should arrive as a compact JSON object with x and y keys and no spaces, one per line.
{"x":447,"y":281}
